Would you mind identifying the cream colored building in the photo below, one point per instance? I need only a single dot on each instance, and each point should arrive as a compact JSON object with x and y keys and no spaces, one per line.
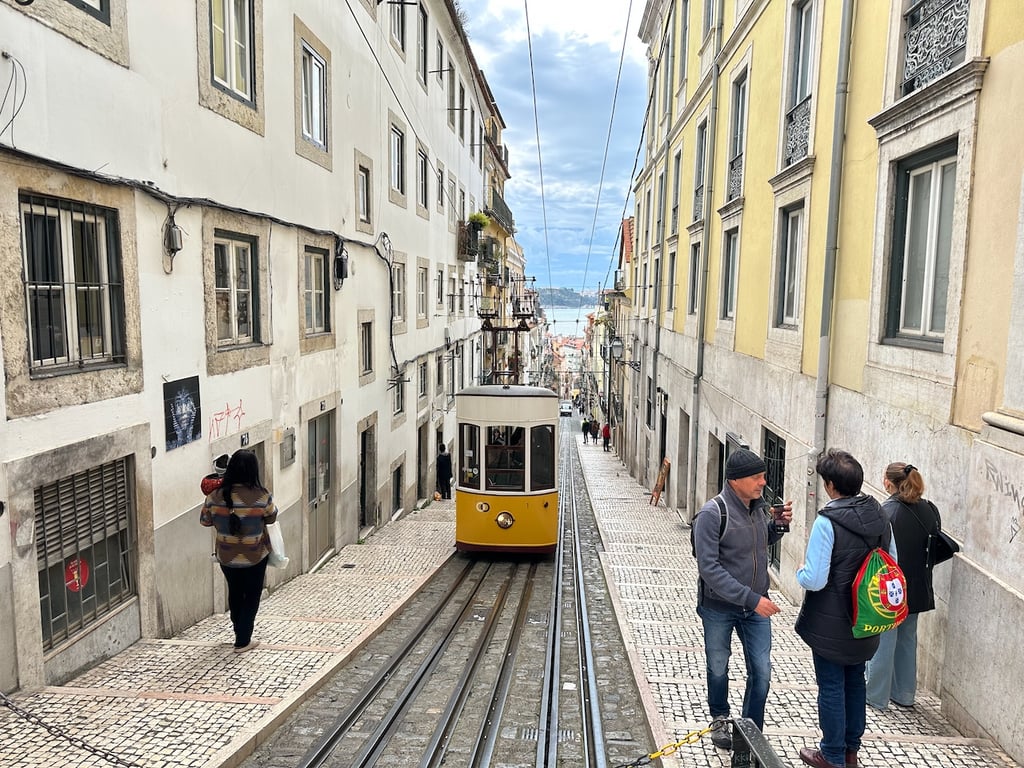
{"x":829,"y":252}
{"x":226,"y":225}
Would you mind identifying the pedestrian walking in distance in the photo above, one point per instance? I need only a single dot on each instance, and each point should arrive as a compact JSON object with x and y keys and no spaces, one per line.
{"x":444,"y":472}
{"x":585,"y":428}
{"x":731,"y":536}
{"x":892,"y":671}
{"x":239,"y":511}
{"x":595,"y":430}
{"x":606,"y":435}
{"x":846,"y":529}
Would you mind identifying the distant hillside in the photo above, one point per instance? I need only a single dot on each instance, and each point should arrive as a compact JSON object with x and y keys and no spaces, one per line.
{"x":563,"y":297}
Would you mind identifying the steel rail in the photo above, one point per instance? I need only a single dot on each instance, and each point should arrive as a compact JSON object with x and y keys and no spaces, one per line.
{"x":318,"y":754}
{"x":388,"y":726}
{"x":593,"y":736}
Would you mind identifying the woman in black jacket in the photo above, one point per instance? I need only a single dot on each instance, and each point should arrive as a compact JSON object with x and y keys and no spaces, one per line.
{"x":892,"y":671}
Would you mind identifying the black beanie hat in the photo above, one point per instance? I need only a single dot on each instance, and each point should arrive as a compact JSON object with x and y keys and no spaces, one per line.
{"x":743,"y":463}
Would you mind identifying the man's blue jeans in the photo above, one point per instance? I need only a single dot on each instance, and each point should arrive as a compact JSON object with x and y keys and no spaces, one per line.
{"x":892,"y":673}
{"x":755,"y":634}
{"x":841,"y":707}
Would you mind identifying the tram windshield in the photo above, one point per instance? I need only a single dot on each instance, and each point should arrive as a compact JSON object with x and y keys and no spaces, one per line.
{"x":505,"y":459}
{"x":542,"y":457}
{"x":469,"y":456}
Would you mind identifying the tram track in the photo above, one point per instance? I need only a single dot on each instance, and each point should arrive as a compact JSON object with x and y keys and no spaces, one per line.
{"x":499,"y":669}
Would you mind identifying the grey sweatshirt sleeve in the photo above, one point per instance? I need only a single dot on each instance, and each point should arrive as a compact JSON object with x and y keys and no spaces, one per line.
{"x":719,"y":582}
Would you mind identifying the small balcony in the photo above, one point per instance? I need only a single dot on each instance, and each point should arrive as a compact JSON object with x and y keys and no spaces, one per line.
{"x":467,"y":242}
{"x":499,"y":211}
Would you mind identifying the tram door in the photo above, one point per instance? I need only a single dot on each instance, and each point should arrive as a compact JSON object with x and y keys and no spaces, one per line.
{"x":318,"y":471}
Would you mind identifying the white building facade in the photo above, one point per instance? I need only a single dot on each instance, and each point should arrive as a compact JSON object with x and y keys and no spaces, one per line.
{"x":226,"y":225}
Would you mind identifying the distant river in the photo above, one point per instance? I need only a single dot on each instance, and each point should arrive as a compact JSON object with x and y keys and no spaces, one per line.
{"x":562,"y":320}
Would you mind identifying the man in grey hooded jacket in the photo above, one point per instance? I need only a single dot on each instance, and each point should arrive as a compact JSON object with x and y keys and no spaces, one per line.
{"x":733,"y":589}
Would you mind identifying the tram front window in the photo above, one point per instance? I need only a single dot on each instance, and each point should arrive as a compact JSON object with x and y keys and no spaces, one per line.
{"x":505,"y":459}
{"x":542,"y":457}
{"x":469,"y":456}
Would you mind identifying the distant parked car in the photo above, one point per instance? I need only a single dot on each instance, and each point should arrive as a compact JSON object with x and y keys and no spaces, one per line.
{"x":565,"y":408}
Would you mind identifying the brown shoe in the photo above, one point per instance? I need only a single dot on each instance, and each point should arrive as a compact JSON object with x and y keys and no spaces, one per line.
{"x":851,"y":758}
{"x":815,"y":759}
{"x":246,"y":648}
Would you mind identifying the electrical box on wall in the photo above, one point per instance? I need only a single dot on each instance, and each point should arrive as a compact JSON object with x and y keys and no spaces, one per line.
{"x":288,"y":447}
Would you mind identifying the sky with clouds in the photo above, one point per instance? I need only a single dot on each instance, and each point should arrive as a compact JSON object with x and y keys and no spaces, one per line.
{"x":577,"y":45}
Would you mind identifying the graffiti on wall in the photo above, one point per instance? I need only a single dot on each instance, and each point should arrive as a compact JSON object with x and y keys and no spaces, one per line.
{"x":220,"y":422}
{"x":183,"y":422}
{"x":1005,"y":486}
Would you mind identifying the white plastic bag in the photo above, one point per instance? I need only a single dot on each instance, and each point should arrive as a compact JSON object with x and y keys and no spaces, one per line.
{"x":278,"y":559}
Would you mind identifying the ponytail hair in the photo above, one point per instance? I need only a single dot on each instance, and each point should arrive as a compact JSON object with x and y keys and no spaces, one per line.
{"x":907,"y":479}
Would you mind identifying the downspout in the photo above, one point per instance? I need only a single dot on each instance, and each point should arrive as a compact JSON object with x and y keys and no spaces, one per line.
{"x":702,"y":302}
{"x":821,"y":383}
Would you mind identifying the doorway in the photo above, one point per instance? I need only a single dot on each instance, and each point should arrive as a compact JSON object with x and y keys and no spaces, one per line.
{"x":319,"y":470}
{"x":367,"y":477}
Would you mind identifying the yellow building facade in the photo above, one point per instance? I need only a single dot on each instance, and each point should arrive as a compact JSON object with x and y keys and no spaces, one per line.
{"x":828,"y":252}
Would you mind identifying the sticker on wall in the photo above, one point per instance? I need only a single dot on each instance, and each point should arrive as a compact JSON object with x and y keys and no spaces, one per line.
{"x":76,"y":575}
{"x":183,"y":421}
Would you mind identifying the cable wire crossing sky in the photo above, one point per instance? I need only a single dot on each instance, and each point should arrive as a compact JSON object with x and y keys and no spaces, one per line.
{"x":575,"y":47}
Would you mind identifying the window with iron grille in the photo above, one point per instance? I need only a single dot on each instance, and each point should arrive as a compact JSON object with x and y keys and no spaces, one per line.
{"x":85,"y":548}
{"x":237,"y":292}
{"x":73,"y":281}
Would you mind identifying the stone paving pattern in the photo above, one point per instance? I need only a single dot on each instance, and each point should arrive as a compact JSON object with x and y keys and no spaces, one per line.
{"x":189,"y":702}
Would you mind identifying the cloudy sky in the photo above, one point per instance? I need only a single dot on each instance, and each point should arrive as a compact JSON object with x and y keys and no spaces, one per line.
{"x":577,"y":46}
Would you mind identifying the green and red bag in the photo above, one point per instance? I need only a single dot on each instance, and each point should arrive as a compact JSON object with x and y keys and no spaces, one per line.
{"x":879,"y":595}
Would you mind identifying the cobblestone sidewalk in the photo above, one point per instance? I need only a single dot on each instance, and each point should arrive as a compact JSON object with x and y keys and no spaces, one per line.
{"x":653,"y":580}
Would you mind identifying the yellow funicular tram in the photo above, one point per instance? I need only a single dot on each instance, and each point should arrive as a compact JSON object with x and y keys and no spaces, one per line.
{"x":506,"y":457}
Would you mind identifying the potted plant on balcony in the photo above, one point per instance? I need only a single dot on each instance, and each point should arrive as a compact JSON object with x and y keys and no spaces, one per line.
{"x":478,"y":221}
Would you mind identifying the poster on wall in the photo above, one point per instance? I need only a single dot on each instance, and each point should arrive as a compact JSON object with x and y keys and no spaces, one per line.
{"x":183,"y":421}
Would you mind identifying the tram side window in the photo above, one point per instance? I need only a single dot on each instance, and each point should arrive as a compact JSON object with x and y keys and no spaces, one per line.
{"x":542,"y":457}
{"x":506,"y":459}
{"x":469,"y":456}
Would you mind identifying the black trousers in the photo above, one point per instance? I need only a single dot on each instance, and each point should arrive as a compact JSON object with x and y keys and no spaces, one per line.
{"x":444,"y":486}
{"x":245,"y":586}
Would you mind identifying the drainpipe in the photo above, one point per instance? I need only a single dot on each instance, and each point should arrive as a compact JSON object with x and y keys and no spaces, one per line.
{"x":821,"y":383}
{"x":702,"y":300}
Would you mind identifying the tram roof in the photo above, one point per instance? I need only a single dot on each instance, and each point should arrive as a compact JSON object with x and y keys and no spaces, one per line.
{"x":506,"y":390}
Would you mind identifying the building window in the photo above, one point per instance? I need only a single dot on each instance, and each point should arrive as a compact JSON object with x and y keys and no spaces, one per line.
{"x":235,"y":264}
{"x":398,"y":396}
{"x":934,"y":40}
{"x":677,"y":170}
{"x":700,"y":149}
{"x":774,"y":452}
{"x":84,"y":549}
{"x":423,"y":383}
{"x":451,"y":295}
{"x":707,"y":18}
{"x":737,"y":137}
{"x":660,"y":227}
{"x":451,"y":94}
{"x":397,"y":159}
{"x":314,"y":97}
{"x":787,"y":301}
{"x":643,"y":286}
{"x":439,"y":378}
{"x":922,"y":234}
{"x":398,"y":25}
{"x":366,"y":347}
{"x":440,"y":287}
{"x":398,"y":292}
{"x":421,"y":292}
{"x":670,"y":300}
{"x":421,"y":45}
{"x":730,"y":270}
{"x":364,"y":195}
{"x":656,"y":298}
{"x":472,"y":131}
{"x":74,"y":286}
{"x":98,"y":8}
{"x":231,"y":36}
{"x":798,"y":110}
{"x":649,"y":404}
{"x":668,"y":70}
{"x":422,"y":179}
{"x":451,"y":199}
{"x":440,"y":187}
{"x":317,"y":298}
{"x":440,"y":60}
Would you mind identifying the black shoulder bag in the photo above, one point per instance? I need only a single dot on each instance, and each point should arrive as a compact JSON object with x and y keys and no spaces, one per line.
{"x":941,"y":546}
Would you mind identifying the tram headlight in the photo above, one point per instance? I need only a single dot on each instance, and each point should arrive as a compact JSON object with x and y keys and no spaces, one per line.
{"x":504,"y":520}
